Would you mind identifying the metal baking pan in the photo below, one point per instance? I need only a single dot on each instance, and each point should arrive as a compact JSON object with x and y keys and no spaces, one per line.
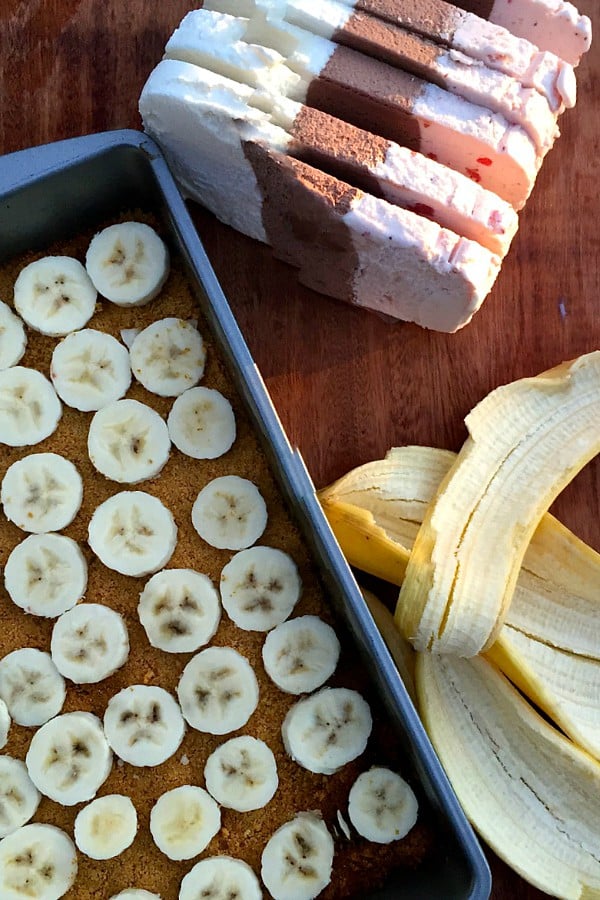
{"x":57,"y":190}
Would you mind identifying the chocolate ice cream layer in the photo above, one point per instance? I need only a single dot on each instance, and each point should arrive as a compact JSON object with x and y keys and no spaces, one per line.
{"x":361,"y":249}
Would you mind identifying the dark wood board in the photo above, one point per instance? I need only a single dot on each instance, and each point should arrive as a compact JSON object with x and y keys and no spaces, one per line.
{"x":347,"y":384}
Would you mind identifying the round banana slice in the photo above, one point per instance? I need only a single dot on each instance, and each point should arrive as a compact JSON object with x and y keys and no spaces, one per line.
{"x":19,"y":797}
{"x":13,"y":339}
{"x":143,"y":725}
{"x":128,"y":441}
{"x":180,"y":610}
{"x":241,"y":774}
{"x":301,"y":654}
{"x":4,"y":723}
{"x":220,"y":878}
{"x":37,"y":862}
{"x":133,"y":533}
{"x":69,"y":758}
{"x":184,"y":821}
{"x":325,"y":731}
{"x":41,"y":492}
{"x":90,"y":369}
{"x":55,"y":295}
{"x":260,"y":588}
{"x":31,"y":686}
{"x":46,"y":574}
{"x":168,"y":357}
{"x":89,"y":643}
{"x":229,"y":513}
{"x":29,"y":408}
{"x":298,"y":859}
{"x":128,"y":263}
{"x":218,"y":690}
{"x":135,"y":894}
{"x":106,"y":827}
{"x":382,"y":806}
{"x":202,"y":423}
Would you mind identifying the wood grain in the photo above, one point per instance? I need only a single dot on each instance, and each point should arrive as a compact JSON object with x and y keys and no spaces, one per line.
{"x":347,"y":384}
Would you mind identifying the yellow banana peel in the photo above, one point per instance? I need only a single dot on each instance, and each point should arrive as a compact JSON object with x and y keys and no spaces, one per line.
{"x":400,"y":650}
{"x":532,"y":795}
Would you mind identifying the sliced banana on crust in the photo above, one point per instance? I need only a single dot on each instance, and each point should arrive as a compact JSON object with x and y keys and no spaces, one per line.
{"x":260,"y":588}
{"x":89,"y":643}
{"x":202,"y":423}
{"x":69,"y":758}
{"x":46,"y":574}
{"x":180,"y":610}
{"x":128,"y":263}
{"x":90,"y":369}
{"x":29,"y":408}
{"x":229,"y":513}
{"x":301,"y":654}
{"x":382,"y":806}
{"x":31,"y":686}
{"x":133,"y":533}
{"x":218,"y":690}
{"x":135,"y":894}
{"x":143,"y":725}
{"x":298,"y":859}
{"x":106,"y":827}
{"x":241,"y":774}
{"x":325,"y":731}
{"x":4,"y":724}
{"x":19,"y":797}
{"x":54,"y":295}
{"x":37,"y":862}
{"x":168,"y":357}
{"x":184,"y":821}
{"x":13,"y":339}
{"x":220,"y":878}
{"x":41,"y":492}
{"x":128,"y":441}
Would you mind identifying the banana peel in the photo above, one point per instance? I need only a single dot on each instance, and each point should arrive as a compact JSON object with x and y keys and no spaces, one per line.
{"x":400,"y":650}
{"x":527,"y":440}
{"x":531,"y":794}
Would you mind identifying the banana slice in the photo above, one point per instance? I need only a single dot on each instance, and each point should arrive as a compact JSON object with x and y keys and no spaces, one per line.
{"x":19,"y":797}
{"x":220,"y":878}
{"x":69,"y":758}
{"x":300,"y":655}
{"x":298,"y":859}
{"x":229,"y":513}
{"x":54,"y":295}
{"x":135,"y":894}
{"x":31,"y":686}
{"x":241,"y":774}
{"x":46,"y":574}
{"x":4,"y":724}
{"x":29,"y":408}
{"x":41,"y":492}
{"x":90,"y":369}
{"x":260,"y":588}
{"x":184,"y":821}
{"x":325,"y":731}
{"x":128,"y":441}
{"x":13,"y":340}
{"x":382,"y":806}
{"x":202,"y":423}
{"x":89,"y":643}
{"x":168,"y":357}
{"x":133,"y":533}
{"x":106,"y":827}
{"x":143,"y":725}
{"x":128,"y":263}
{"x":37,"y":862}
{"x":218,"y":690}
{"x":180,"y":610}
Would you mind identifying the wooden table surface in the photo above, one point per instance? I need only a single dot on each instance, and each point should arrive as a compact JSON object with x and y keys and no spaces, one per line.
{"x":347,"y":384}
